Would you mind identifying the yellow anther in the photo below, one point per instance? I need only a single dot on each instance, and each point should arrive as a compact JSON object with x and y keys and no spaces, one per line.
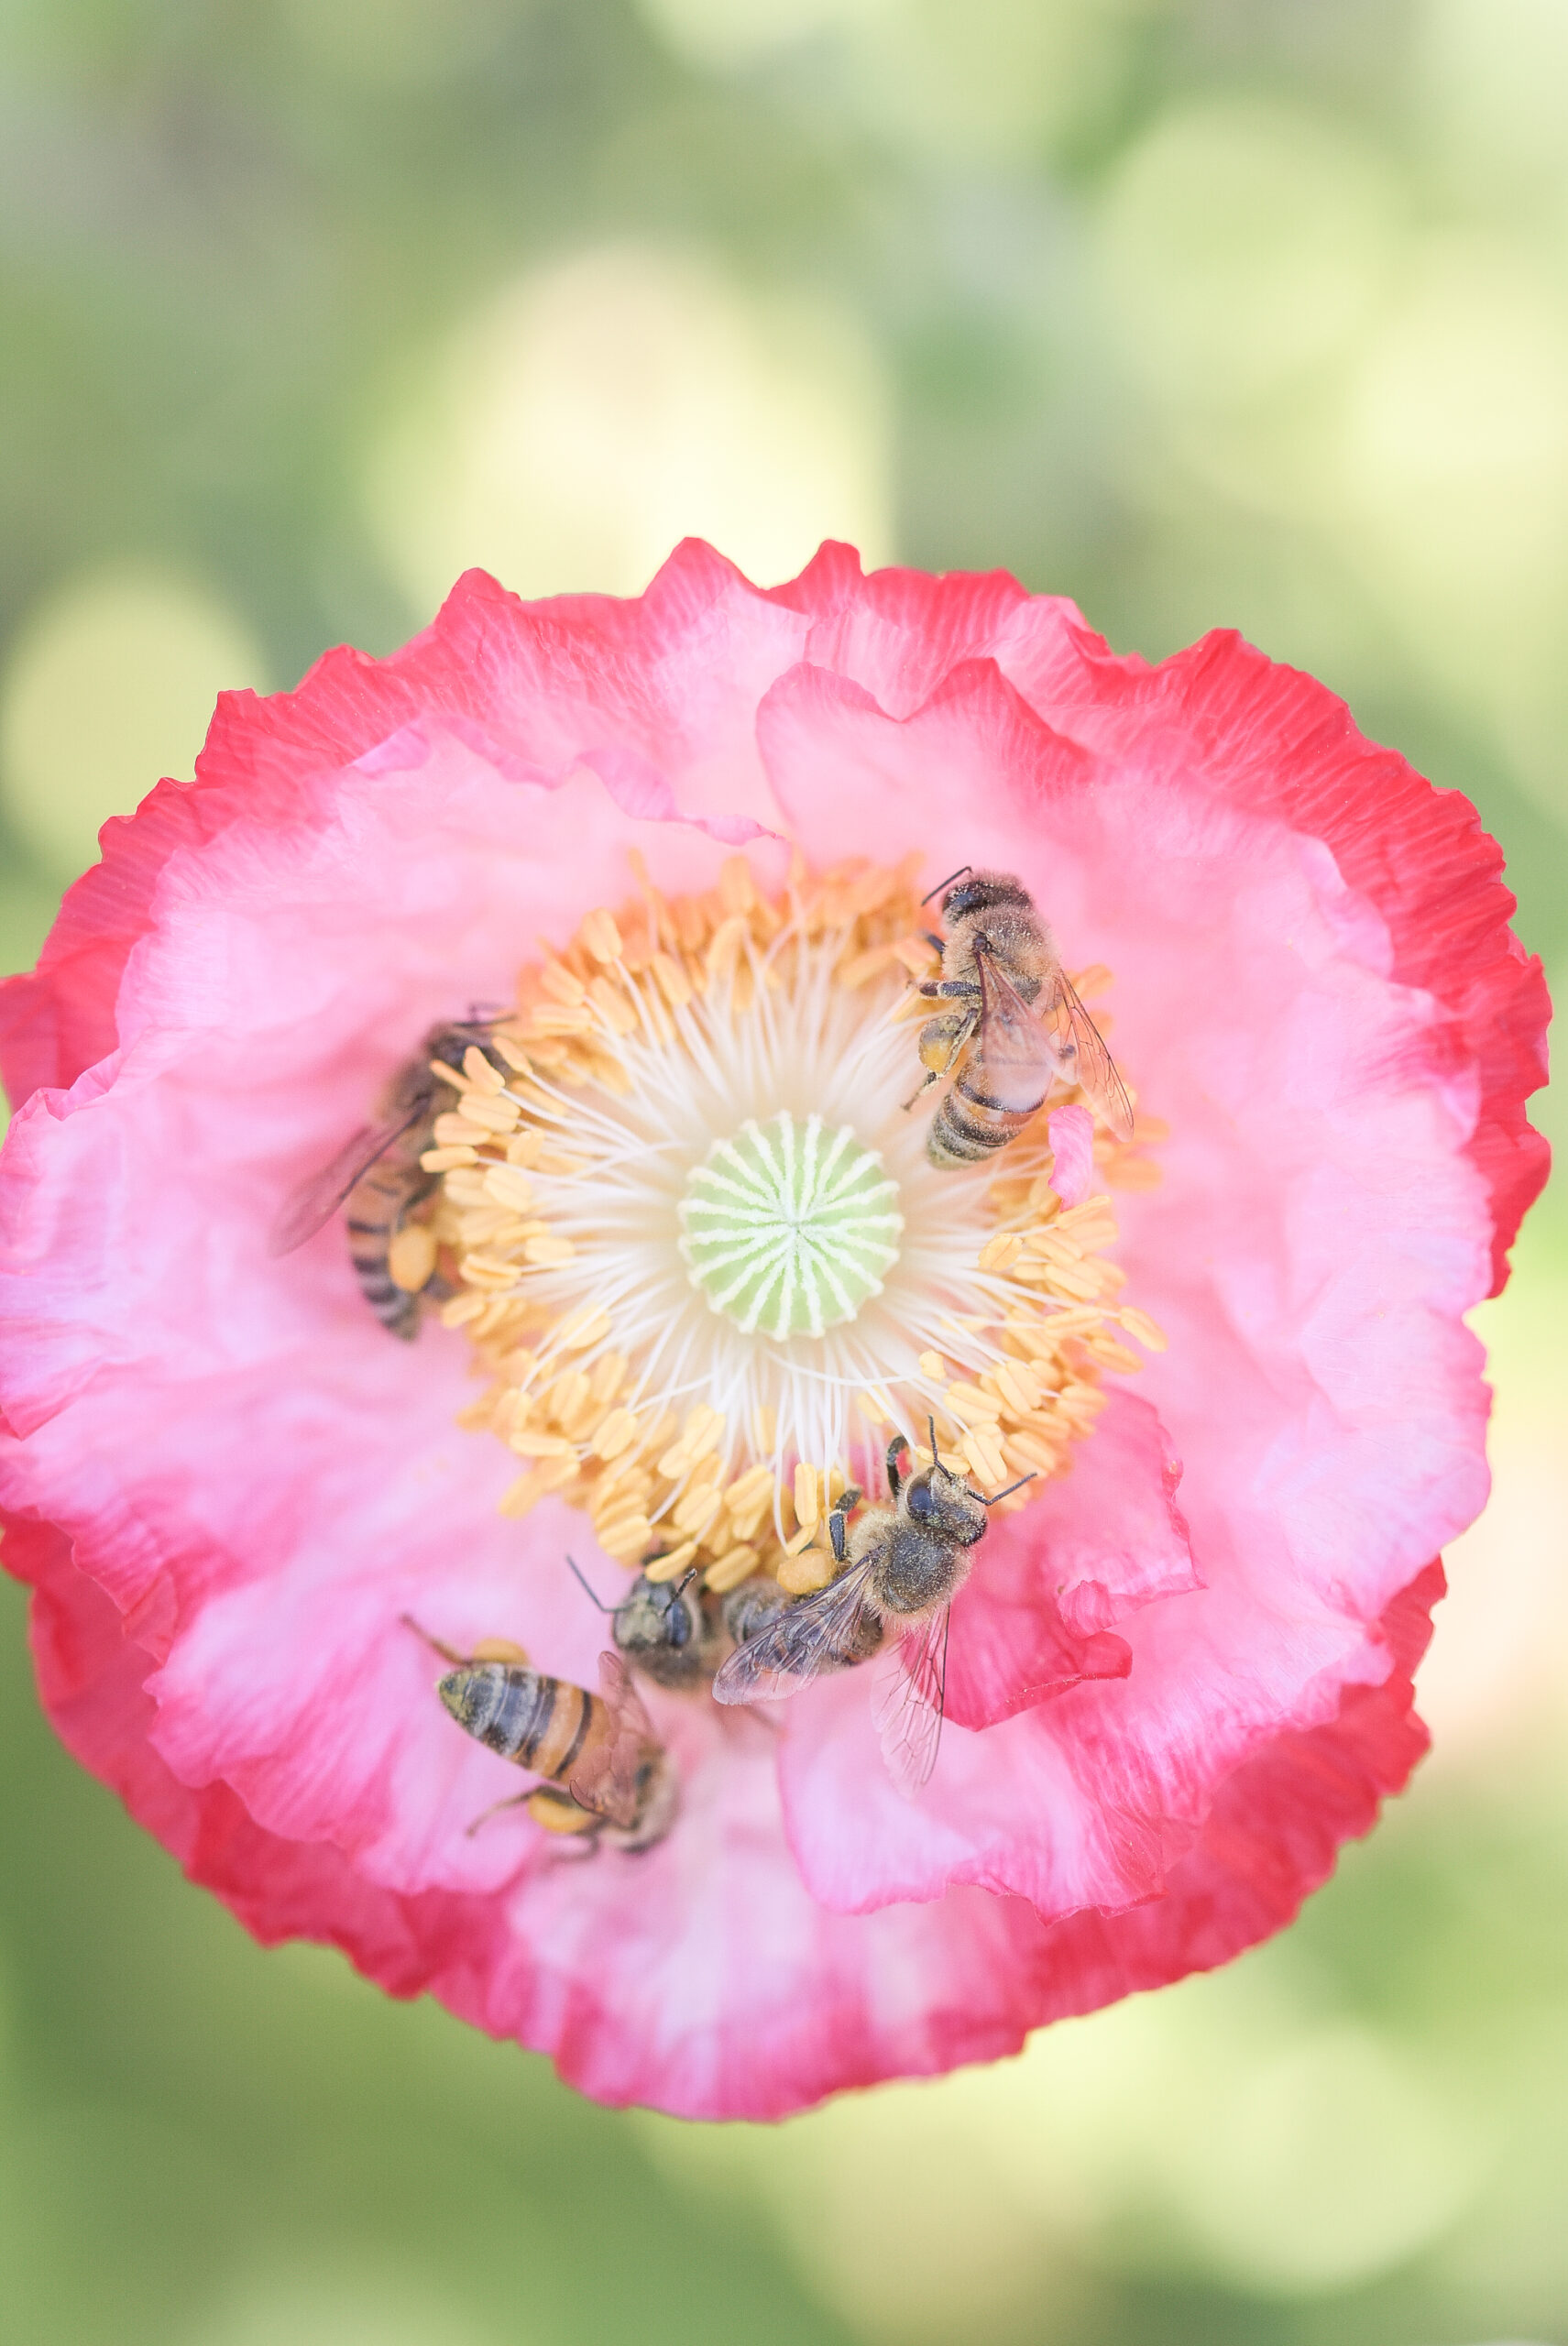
{"x":672,"y":981}
{"x":558,"y":982}
{"x":1146,"y":1331}
{"x":666,"y":1567}
{"x":617,"y":1432}
{"x":546,"y":1251}
{"x":479,"y":1072}
{"x":807,"y":1504}
{"x":749,"y":1487}
{"x":410,"y":1257}
{"x":1018,"y":1385}
{"x":1000,"y":1254}
{"x":488,"y":1271}
{"x":507,"y":1185}
{"x":984,"y":1459}
{"x":730,"y":1569}
{"x":915,"y":955}
{"x":530,"y":1442}
{"x":725,"y":950}
{"x":496,"y":1115}
{"x":737,"y":891}
{"x":455,"y":1130}
{"x":600,"y":937}
{"x":613,"y":1007}
{"x":566,"y":1018}
{"x":855,"y":973}
{"x":968,"y":1402}
{"x":588,"y":1324}
{"x":624,"y":1536}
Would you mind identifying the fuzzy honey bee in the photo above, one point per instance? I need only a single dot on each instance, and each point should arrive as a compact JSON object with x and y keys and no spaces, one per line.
{"x":1020,"y":1027}
{"x":378,"y":1174}
{"x":607,"y":1776}
{"x":902,"y":1566}
{"x":666,"y":1630}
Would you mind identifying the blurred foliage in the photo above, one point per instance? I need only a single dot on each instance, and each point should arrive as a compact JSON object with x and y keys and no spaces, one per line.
{"x":1205,"y":311}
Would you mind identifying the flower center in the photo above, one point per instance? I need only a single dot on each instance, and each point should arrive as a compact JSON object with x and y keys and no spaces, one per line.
{"x":690,"y":1227}
{"x":790,"y":1227}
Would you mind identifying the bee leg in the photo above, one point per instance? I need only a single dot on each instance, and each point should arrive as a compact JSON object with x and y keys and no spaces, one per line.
{"x":517,"y":1800}
{"x":897,"y":1447}
{"x":948,"y":990}
{"x":447,"y":1653}
{"x":938,"y":944}
{"x":942,"y":1040}
{"x":846,"y":1500}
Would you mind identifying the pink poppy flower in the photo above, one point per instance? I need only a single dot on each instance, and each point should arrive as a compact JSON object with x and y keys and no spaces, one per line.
{"x":683,"y":1264}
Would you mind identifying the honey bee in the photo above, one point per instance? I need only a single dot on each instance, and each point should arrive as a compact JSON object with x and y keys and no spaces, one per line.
{"x":1020,"y":1027}
{"x":379,"y":1174}
{"x":902,"y":1566}
{"x":664,"y":1630}
{"x":759,"y":1603}
{"x":606,"y":1773}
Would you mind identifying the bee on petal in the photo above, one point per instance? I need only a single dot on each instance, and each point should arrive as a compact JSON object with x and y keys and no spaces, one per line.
{"x":1020,"y":1029}
{"x":902,"y":1566}
{"x":607,"y":1774}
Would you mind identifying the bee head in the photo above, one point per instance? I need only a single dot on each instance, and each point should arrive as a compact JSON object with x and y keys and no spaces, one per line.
{"x":944,"y":1504}
{"x":979,"y":892}
{"x":656,"y":1613}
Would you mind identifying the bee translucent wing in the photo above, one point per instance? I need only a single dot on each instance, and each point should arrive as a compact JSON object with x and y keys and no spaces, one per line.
{"x":812,"y":1635}
{"x":317,"y":1199}
{"x":606,"y":1778}
{"x":906,"y":1709}
{"x":1083,"y":1058}
{"x":1017,"y":1064}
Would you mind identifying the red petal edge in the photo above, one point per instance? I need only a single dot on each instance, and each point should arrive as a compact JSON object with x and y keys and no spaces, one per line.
{"x":1271,"y":1839}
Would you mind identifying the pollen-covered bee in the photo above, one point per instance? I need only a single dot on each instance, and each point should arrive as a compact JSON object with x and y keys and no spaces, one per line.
{"x":904,"y":1565}
{"x":1020,"y":1029}
{"x":608,"y":1774}
{"x":664,"y":1630}
{"x":379,"y":1174}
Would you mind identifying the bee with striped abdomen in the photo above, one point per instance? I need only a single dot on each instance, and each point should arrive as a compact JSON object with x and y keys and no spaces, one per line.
{"x":607,"y":1774}
{"x":378,"y":1174}
{"x":1020,"y":1027}
{"x":900,"y":1568}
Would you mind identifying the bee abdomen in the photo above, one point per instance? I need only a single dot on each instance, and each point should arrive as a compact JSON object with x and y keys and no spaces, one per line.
{"x":374,"y":1210}
{"x":964,"y":1134}
{"x":542,"y":1723}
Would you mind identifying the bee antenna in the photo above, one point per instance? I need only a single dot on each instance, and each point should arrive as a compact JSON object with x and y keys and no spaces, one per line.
{"x":589,"y":1592}
{"x":686,"y":1581}
{"x":945,"y":884}
{"x":931,"y":1429}
{"x":1006,"y":1493}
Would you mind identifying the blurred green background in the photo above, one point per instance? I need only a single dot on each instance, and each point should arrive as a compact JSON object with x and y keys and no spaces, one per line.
{"x":1205,"y":311}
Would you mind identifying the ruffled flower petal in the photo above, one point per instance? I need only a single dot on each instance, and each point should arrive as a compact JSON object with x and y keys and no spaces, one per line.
{"x":1177,"y":1681}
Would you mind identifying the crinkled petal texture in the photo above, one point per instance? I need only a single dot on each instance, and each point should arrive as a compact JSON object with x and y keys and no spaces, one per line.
{"x":1178,"y":1681}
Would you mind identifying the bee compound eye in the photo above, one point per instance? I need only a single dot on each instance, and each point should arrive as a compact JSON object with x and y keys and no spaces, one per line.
{"x":922,"y":1505}
{"x":679,"y":1620}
